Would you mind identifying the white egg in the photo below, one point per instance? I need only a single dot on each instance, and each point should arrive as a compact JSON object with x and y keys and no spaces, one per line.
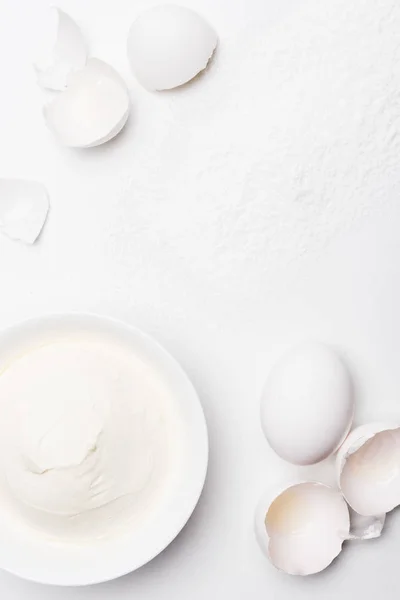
{"x":307,"y":405}
{"x":92,"y":110}
{"x":24,"y":206}
{"x":368,"y":467}
{"x":302,"y":527}
{"x":63,"y":50}
{"x":169,"y":45}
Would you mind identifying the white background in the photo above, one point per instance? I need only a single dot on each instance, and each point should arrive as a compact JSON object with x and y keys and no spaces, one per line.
{"x":99,"y":253}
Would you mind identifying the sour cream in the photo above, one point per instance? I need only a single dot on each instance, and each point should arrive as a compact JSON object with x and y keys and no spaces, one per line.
{"x":87,"y":436}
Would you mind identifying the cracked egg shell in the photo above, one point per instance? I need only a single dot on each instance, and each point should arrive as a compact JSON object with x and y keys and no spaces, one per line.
{"x":24,"y":206}
{"x":92,"y":110}
{"x":307,"y":405}
{"x":368,"y":469}
{"x":63,"y":50}
{"x":169,"y":45}
{"x":301,"y":528}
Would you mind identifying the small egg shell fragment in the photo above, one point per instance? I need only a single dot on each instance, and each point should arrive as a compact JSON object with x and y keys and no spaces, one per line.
{"x":365,"y":528}
{"x":24,"y":206}
{"x":302,"y":527}
{"x":63,"y":49}
{"x":93,"y":109}
{"x":368,"y":469}
{"x":169,"y":45}
{"x":307,"y":405}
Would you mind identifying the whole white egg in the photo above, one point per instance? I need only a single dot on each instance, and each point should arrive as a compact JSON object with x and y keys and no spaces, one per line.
{"x":307,"y":405}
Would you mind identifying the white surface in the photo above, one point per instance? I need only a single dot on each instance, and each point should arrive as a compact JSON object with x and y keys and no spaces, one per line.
{"x":40,"y":559}
{"x":112,"y":245}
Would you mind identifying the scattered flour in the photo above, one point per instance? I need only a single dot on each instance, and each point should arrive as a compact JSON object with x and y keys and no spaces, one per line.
{"x":290,"y":138}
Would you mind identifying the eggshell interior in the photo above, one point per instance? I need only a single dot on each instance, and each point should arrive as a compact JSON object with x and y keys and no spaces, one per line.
{"x":24,"y":206}
{"x":93,"y":109}
{"x":304,"y":528}
{"x":370,"y":478}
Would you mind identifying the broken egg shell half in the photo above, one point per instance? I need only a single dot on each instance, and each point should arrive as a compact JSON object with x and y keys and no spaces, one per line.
{"x":92,"y":110}
{"x":301,"y":528}
{"x":169,"y":45}
{"x":63,"y":50}
{"x":307,"y":405}
{"x":368,"y":469}
{"x":24,"y":206}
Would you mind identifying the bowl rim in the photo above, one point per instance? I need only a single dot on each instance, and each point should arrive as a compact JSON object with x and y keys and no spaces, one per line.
{"x":13,"y":546}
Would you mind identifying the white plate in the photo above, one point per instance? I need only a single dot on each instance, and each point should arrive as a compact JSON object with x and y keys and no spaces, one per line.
{"x":43,"y":561}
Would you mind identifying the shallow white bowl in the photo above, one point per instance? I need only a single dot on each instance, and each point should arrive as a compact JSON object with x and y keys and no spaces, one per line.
{"x":40,"y":560}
